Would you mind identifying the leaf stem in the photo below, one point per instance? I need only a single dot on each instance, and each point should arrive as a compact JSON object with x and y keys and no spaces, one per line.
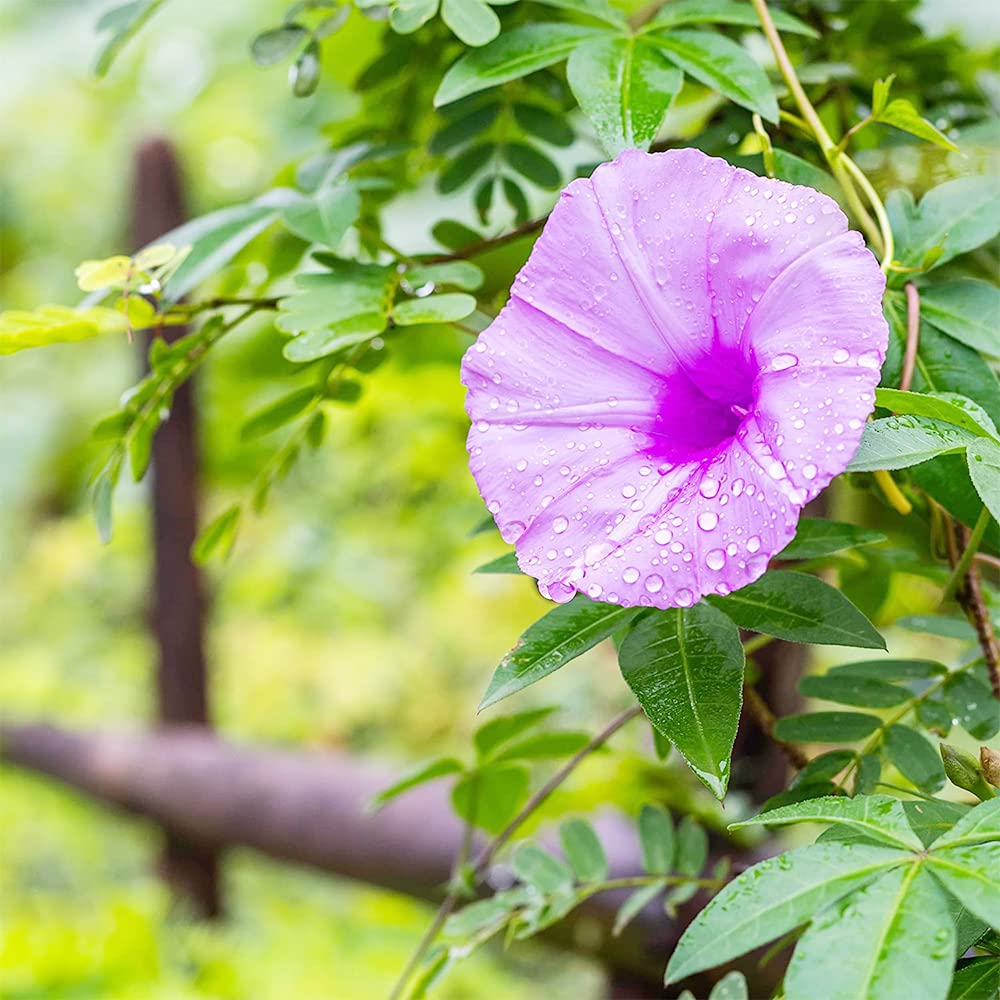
{"x":964,"y":564}
{"x":912,"y":336}
{"x":892,"y":492}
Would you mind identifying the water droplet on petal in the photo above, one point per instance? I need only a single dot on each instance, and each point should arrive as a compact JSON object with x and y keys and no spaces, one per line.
{"x":707,"y":520}
{"x":559,"y":525}
{"x":784,"y":361}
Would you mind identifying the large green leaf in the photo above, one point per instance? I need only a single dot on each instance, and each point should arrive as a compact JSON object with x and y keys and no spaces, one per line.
{"x":976,"y":979}
{"x":956,"y":216}
{"x":984,"y":469}
{"x":894,"y":938}
{"x":323,"y":217}
{"x":971,"y":872}
{"x":514,"y":54}
{"x":980,"y":823}
{"x":899,"y":442}
{"x":826,"y":727}
{"x":800,"y":608}
{"x":550,"y":643}
{"x":816,"y":537}
{"x":723,"y":12}
{"x":685,"y":666}
{"x":967,"y":310}
{"x":774,"y":897}
{"x":624,"y":86}
{"x":947,"y":406}
{"x":877,"y":816}
{"x":722,"y":65}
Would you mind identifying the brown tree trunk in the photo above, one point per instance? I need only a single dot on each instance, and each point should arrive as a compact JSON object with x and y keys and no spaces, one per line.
{"x":177,"y":603}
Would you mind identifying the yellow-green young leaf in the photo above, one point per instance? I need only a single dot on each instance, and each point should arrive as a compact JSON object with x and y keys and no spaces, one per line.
{"x":155,"y":256}
{"x":624,"y":86}
{"x":445,"y":308}
{"x":894,"y":938}
{"x":58,"y":324}
{"x":93,"y":275}
{"x":880,"y":94}
{"x":903,"y":115}
{"x":217,"y":537}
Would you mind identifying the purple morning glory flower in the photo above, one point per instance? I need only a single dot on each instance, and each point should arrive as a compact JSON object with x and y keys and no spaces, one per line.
{"x":687,"y":358}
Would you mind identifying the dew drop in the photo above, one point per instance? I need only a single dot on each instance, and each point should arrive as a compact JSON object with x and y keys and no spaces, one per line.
{"x":630,"y":575}
{"x":753,"y":543}
{"x":709,"y":487}
{"x":707,"y":520}
{"x":784,"y":361}
{"x":715,"y":559}
{"x":683,"y":598}
{"x":654,"y":583}
{"x":559,"y":525}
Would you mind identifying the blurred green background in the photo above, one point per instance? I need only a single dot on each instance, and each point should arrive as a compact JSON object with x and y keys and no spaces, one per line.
{"x":348,"y":615}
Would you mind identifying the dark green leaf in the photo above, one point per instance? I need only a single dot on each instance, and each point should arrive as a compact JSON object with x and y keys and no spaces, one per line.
{"x":532,"y":164}
{"x":464,"y":167}
{"x":454,"y":235}
{"x":217,"y":537}
{"x":949,"y":628}
{"x":507,"y":563}
{"x":899,"y":442}
{"x":462,"y":130}
{"x":914,"y":758}
{"x":976,"y":979}
{"x":800,"y":608}
{"x":816,"y":537}
{"x":724,"y":12}
{"x":721,"y":65}
{"x":890,"y":670}
{"x":583,"y":850}
{"x":930,"y":818}
{"x":824,"y":767}
{"x":514,"y":54}
{"x":550,"y":643}
{"x":826,"y":727}
{"x":516,"y":199}
{"x":685,"y":666}
{"x":491,"y":798}
{"x":850,"y":690}
{"x":869,"y":773}
{"x":692,"y":847}
{"x":624,"y":86}
{"x":543,"y":124}
{"x":656,"y":838}
{"x":967,"y":310}
{"x":774,"y":897}
{"x":439,"y":768}
{"x":972,"y":706}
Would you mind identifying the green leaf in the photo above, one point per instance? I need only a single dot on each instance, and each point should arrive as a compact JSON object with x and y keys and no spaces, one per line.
{"x":972,"y":706}
{"x":899,"y":442}
{"x":431,"y":771}
{"x":270,"y":47}
{"x":943,"y":625}
{"x":507,"y":563}
{"x":472,"y":20}
{"x":463,"y":129}
{"x":692,"y":847}
{"x":496,"y":732}
{"x":491,"y":798}
{"x":277,"y":414}
{"x":890,"y":670}
{"x":516,"y":199}
{"x":950,"y":407}
{"x":349,"y":297}
{"x":46,"y":325}
{"x":732,"y":986}
{"x":305,"y":71}
{"x":625,"y":87}
{"x":914,"y":758}
{"x":123,"y":23}
{"x":984,"y":469}
{"x":815,"y":537}
{"x":540,"y":869}
{"x":980,"y":823}
{"x":903,"y":115}
{"x":635,"y":904}
{"x":869,"y":772}
{"x":724,"y":12}
{"x":846,"y":689}
{"x":514,"y":54}
{"x":656,"y":838}
{"x":592,"y":8}
{"x":774,"y":897}
{"x":823,"y":768}
{"x":406,"y":16}
{"x":799,"y":608}
{"x":444,"y":308}
{"x":544,"y":746}
{"x":957,"y":216}
{"x":325,"y":216}
{"x":971,"y":873}
{"x":685,"y":666}
{"x":826,"y":727}
{"x":932,"y":817}
{"x":583,"y":850}
{"x":532,"y":164}
{"x":795,"y":170}
{"x":465,"y":166}
{"x":217,"y":537}
{"x":968,"y":310}
{"x":876,"y":816}
{"x":896,"y":935}
{"x":721,"y":65}
{"x":976,"y":979}
{"x":563,"y":634}
{"x":102,"y":491}
{"x":543,"y":124}
{"x":458,"y":273}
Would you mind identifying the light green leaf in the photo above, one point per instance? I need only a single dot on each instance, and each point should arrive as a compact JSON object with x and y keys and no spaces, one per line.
{"x":890,"y":670}
{"x":894,"y":938}
{"x":540,"y":869}
{"x":685,"y":666}
{"x":774,"y":897}
{"x":799,"y":608}
{"x":320,"y":343}
{"x":968,"y":310}
{"x":914,"y":757}
{"x":514,"y":54}
{"x":328,"y":298}
{"x":592,"y":8}
{"x":982,"y":822}
{"x":692,"y":847}
{"x":971,"y":873}
{"x":624,"y":86}
{"x":496,"y":732}
{"x":972,"y":705}
{"x":563,"y":634}
{"x":724,"y":12}
{"x":406,"y":16}
{"x":903,"y":115}
{"x":431,"y":771}
{"x":656,"y":839}
{"x":984,"y":468}
{"x":217,"y":537}
{"x":583,"y":850}
{"x":732,"y":986}
{"x":325,"y":216}
{"x":816,"y":537}
{"x":635,"y":904}
{"x":899,"y":442}
{"x":491,"y":798}
{"x":949,"y":406}
{"x":277,"y":414}
{"x":472,"y":20}
{"x":721,"y":65}
{"x":846,"y":689}
{"x":444,"y":308}
{"x":270,"y":47}
{"x":876,"y":816}
{"x":826,"y":727}
{"x":458,"y":273}
{"x":545,"y":746}
{"x":123,"y":23}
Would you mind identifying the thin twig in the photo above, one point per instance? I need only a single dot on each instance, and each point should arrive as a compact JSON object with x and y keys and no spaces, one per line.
{"x":761,"y":713}
{"x":912,"y":336}
{"x":482,"y":246}
{"x":486,"y":855}
{"x":970,"y":596}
